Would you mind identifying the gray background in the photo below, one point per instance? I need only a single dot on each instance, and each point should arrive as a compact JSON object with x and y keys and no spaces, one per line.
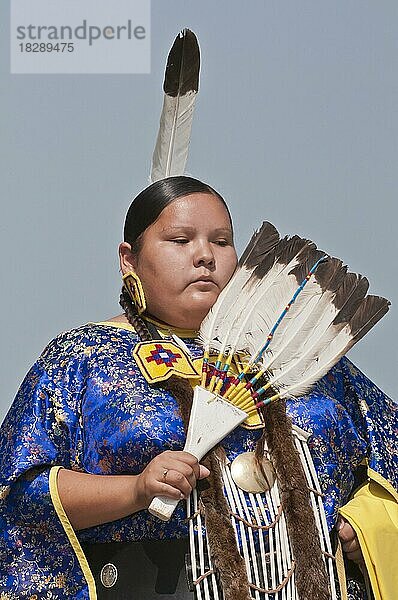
{"x":296,"y":122}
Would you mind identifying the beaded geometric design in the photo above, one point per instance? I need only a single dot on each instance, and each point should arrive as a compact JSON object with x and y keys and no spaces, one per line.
{"x":158,"y":360}
{"x":163,"y":355}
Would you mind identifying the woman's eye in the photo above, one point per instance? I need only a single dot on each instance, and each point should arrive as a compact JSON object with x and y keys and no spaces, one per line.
{"x":180,"y":241}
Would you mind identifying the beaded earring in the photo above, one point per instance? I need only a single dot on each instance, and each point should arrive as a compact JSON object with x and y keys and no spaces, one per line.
{"x":135,"y":290}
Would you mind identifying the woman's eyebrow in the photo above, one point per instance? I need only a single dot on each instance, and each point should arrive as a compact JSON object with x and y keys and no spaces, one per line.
{"x":187,"y":228}
{"x":225,"y":230}
{"x":172,"y":228}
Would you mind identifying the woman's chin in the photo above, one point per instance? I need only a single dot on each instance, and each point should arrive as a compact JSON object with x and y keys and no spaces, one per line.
{"x":190,"y":316}
{"x":201,"y":307}
{"x":186,"y":312}
{"x":203,"y":301}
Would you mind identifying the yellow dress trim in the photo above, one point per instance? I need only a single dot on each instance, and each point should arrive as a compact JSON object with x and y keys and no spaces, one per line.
{"x":373,"y":514}
{"x":115,"y":324}
{"x":164,"y":330}
{"x":70,"y":532}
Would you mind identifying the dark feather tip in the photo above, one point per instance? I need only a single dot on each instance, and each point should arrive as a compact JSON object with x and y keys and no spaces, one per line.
{"x":369,"y":312}
{"x":303,"y":268}
{"x":349,"y":296}
{"x":289,"y":247}
{"x":183,"y":65}
{"x":261,"y":243}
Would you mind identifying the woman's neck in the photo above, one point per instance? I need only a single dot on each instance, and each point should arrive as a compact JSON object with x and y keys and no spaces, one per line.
{"x":163,"y":327}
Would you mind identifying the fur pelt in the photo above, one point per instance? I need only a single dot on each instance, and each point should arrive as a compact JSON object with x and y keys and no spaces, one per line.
{"x":312,"y":580}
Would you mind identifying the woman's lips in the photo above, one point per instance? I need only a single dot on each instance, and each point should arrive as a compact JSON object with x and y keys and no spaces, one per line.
{"x":205,"y":284}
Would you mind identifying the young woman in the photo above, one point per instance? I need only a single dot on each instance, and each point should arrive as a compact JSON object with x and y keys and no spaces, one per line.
{"x":89,"y":442}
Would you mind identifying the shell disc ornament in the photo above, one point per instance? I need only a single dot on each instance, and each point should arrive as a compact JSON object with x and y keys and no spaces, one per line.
{"x":247,"y":474}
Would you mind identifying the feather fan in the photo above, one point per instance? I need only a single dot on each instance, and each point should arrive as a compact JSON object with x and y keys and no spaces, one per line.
{"x":226,"y":327}
{"x":293,"y":311}
{"x":293,"y":339}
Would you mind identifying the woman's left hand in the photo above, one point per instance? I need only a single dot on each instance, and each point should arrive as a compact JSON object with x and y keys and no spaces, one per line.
{"x":349,"y":541}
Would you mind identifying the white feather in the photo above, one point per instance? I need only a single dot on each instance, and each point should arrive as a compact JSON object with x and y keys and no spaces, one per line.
{"x":313,"y":311}
{"x":172,"y":144}
{"x":180,"y":86}
{"x":256,"y":297}
{"x":298,"y":376}
{"x":311,"y":331}
{"x":211,"y":324}
{"x":317,"y":315}
{"x":232,"y":298}
{"x":290,"y":325}
{"x":323,"y":351}
{"x":265,"y":302}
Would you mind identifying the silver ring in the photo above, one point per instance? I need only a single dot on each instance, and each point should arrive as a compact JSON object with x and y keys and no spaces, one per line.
{"x":165,"y":474}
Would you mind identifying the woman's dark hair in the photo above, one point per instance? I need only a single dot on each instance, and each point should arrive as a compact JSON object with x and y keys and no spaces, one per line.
{"x":147,"y":206}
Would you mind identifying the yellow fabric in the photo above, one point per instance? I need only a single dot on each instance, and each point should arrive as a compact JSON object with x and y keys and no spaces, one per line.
{"x":373,"y":514}
{"x":341,"y":570}
{"x":70,"y":532}
{"x":383,"y":482}
{"x":164,"y":329}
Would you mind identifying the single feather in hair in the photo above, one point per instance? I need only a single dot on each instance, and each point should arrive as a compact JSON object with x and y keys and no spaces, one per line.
{"x":181,"y":84}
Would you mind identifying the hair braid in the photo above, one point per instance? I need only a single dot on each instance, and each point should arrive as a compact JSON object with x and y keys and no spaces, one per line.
{"x":133,"y":317}
{"x":220,"y":530}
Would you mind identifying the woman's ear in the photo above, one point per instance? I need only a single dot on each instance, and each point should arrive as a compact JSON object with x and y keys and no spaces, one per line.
{"x":127,"y":260}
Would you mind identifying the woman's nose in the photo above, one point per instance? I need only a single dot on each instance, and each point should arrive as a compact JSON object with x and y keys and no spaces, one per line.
{"x":204,"y":255}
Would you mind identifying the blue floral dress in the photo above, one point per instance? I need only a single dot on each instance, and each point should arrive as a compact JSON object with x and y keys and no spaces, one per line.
{"x":84,"y":405}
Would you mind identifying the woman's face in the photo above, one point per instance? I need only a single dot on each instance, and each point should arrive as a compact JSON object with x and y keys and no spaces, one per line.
{"x":186,"y":259}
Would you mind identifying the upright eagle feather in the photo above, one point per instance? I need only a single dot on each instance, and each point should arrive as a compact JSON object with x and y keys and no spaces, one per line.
{"x":181,"y":84}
